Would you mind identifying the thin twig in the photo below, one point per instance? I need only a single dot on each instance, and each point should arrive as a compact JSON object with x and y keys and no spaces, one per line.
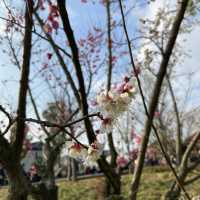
{"x":50,"y":124}
{"x":36,"y":33}
{"x":6,"y":113}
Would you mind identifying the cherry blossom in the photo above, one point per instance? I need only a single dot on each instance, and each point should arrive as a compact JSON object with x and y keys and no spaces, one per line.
{"x":121,"y":161}
{"x":114,"y":103}
{"x":49,"y":56}
{"x":94,"y":153}
{"x":76,"y":151}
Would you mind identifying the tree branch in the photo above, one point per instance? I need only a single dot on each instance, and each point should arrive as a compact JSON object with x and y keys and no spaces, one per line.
{"x":36,"y":33}
{"x":109,"y":80}
{"x":21,"y":112}
{"x":179,"y":129}
{"x":61,"y":60}
{"x":154,"y":98}
{"x":10,"y":120}
{"x":6,"y":113}
{"x":189,"y":149}
{"x":51,"y":124}
{"x":75,"y":58}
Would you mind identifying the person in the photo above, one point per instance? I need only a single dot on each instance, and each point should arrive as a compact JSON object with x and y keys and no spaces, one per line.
{"x":2,"y":176}
{"x":34,"y":177}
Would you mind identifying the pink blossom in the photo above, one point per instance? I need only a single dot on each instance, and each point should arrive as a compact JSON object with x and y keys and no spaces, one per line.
{"x":49,"y":55}
{"x":107,"y":124}
{"x":133,"y":154}
{"x":94,"y":153}
{"x":41,"y":4}
{"x":93,"y":103}
{"x":156,"y":114}
{"x":53,"y":10}
{"x":138,"y":139}
{"x":76,"y":150}
{"x":133,"y":133}
{"x":121,"y":161}
{"x":126,"y":79}
{"x":120,"y":88}
{"x":55,"y":24}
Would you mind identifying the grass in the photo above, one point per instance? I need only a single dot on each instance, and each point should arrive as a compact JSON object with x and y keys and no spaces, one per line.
{"x":155,"y":182}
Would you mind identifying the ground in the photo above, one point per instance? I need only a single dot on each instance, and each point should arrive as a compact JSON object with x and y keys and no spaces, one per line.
{"x":155,"y":181}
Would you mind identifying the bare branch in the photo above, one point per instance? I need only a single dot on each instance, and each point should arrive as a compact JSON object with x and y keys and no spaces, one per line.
{"x":189,"y":149}
{"x":179,"y":129}
{"x":75,"y":58}
{"x":36,"y":33}
{"x":10,"y":120}
{"x":61,"y":61}
{"x":109,"y":80}
{"x":50,"y":124}
{"x":6,"y":113}
{"x":191,"y":180}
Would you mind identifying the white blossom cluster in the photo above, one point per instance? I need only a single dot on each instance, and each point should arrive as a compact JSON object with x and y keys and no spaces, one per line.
{"x":111,"y":104}
{"x":115,"y":102}
{"x":89,"y":155}
{"x":93,"y":154}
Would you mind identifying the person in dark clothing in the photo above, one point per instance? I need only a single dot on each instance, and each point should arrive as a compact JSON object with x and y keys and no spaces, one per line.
{"x":2,"y":176}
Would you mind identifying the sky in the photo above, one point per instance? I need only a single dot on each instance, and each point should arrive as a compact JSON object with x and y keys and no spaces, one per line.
{"x":83,"y":18}
{"x":190,"y":64}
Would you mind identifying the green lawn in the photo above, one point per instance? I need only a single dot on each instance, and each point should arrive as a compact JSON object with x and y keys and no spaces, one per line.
{"x":155,"y":182}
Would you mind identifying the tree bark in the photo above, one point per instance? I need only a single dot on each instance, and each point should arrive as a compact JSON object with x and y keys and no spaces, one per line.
{"x":42,"y":192}
{"x":111,"y":176}
{"x":48,"y":188}
{"x":21,"y":110}
{"x":74,"y":169}
{"x":19,"y":185}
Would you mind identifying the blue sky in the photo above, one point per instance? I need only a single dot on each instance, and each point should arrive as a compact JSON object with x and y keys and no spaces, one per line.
{"x":83,"y":18}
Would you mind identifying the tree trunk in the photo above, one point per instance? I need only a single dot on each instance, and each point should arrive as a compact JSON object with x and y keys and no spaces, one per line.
{"x":50,"y":189}
{"x":44,"y":192}
{"x":112,"y":193}
{"x":19,"y":186}
{"x":111,"y":189}
{"x":74,"y":167}
{"x":47,"y":189}
{"x":69,"y":169}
